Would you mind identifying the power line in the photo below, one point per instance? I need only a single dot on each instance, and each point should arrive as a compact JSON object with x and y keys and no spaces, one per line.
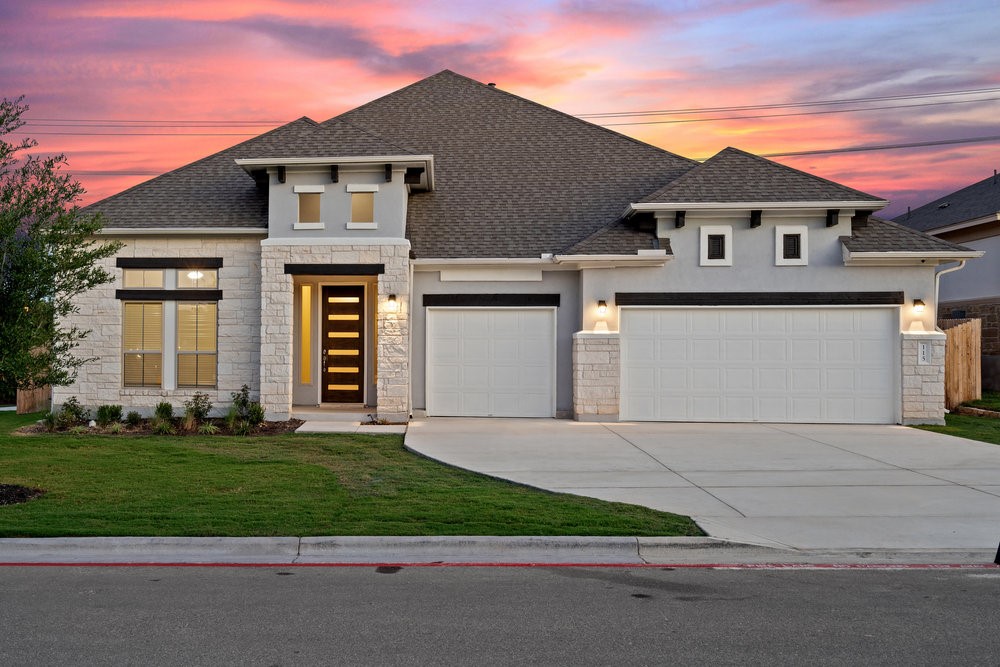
{"x":786,"y":105}
{"x":884,"y":147}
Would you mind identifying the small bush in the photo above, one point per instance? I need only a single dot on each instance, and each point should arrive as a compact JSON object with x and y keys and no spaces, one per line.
{"x":163,"y":427}
{"x":107,"y":414}
{"x":208,"y":428}
{"x":73,"y":413}
{"x":133,"y":418}
{"x":242,"y":427}
{"x":189,"y":422}
{"x":232,"y":417}
{"x":50,"y":421}
{"x":255,"y":414}
{"x":198,"y":405}
{"x":241,"y":401}
{"x":164,"y":411}
{"x":78,"y":430}
{"x":116,"y":428}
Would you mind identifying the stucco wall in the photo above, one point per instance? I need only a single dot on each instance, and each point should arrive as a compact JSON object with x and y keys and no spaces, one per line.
{"x":100,"y":381}
{"x":980,"y":279}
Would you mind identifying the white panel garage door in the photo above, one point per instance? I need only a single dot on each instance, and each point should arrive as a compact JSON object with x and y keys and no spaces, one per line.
{"x":491,"y":362}
{"x":808,"y":365}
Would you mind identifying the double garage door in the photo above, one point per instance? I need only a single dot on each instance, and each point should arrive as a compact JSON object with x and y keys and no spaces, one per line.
{"x":835,"y":365}
{"x":491,"y":362}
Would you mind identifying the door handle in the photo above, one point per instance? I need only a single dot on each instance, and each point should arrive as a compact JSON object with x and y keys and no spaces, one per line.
{"x":324,"y":361}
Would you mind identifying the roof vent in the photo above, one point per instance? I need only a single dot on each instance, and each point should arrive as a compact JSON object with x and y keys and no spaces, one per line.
{"x":944,"y":205}
{"x":492,"y":85}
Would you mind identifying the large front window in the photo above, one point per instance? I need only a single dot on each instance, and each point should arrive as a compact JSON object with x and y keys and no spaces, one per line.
{"x":196,"y":344}
{"x":143,"y":344}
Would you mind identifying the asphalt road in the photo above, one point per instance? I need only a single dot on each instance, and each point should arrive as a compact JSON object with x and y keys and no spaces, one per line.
{"x":485,"y":616}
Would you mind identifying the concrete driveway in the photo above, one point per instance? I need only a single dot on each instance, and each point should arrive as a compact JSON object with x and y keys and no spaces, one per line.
{"x":805,"y":486}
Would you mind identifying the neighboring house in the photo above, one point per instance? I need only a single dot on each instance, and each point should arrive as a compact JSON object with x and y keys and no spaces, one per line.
{"x":970,"y":216}
{"x":454,"y":249}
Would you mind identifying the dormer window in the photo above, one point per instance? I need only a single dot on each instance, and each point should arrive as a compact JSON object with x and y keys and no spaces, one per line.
{"x":310,"y":206}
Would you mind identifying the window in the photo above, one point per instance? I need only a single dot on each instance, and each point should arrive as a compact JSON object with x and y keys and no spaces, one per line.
{"x":142,"y":278}
{"x":791,"y":245}
{"x":716,"y":245}
{"x":362,"y":207}
{"x":142,"y":341}
{"x":197,"y":278}
{"x":309,"y":207}
{"x":196,"y":344}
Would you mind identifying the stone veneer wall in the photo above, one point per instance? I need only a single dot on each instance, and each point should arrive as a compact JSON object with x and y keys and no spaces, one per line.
{"x":100,"y":382}
{"x":923,"y":384}
{"x":277,"y":319}
{"x":596,"y":376}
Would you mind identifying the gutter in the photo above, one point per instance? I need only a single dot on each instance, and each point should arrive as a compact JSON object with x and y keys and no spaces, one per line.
{"x":937,"y":287}
{"x":183,"y":231}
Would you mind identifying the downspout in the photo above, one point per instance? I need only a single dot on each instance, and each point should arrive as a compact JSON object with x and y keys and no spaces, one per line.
{"x":409,"y":344}
{"x":937,"y":288}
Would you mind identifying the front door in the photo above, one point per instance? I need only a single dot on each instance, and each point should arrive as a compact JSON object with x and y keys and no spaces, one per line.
{"x":343,"y":344}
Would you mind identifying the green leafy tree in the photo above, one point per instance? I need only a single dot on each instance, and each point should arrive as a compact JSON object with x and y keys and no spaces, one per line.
{"x":48,"y":256}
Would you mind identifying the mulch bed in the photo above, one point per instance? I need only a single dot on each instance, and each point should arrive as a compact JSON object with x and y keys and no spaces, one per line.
{"x":12,"y":494}
{"x":145,"y":428}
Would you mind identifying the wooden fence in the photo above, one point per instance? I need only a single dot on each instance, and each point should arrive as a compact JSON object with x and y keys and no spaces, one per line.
{"x":34,"y":400}
{"x":962,"y":361}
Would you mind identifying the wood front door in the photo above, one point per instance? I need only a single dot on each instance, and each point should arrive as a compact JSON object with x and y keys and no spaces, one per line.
{"x":343,"y":344}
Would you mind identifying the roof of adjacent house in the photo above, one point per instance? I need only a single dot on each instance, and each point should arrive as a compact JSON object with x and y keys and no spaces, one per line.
{"x":886,"y":236}
{"x":513,"y":178}
{"x":972,"y":202}
{"x":733,"y":175}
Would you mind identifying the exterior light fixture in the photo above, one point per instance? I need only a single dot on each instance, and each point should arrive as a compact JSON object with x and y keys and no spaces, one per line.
{"x":195,"y":275}
{"x":602,"y":307}
{"x":918,"y":305}
{"x":391,"y":305}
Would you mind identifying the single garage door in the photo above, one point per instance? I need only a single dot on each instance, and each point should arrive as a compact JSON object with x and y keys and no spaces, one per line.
{"x":835,"y":365}
{"x":491,"y":362}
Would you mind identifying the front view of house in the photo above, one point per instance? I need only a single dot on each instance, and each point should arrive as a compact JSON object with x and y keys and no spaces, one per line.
{"x":452,"y":249}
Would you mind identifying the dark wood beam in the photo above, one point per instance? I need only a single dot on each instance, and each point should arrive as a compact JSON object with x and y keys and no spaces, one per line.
{"x":388,"y":173}
{"x":755,"y":218}
{"x":334,"y":173}
{"x":832,"y":217}
{"x":412,"y":175}
{"x":679,"y":219}
{"x":281,"y":174}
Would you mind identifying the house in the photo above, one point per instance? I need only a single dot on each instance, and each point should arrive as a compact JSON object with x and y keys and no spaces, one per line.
{"x":970,"y":216}
{"x":453,"y":249}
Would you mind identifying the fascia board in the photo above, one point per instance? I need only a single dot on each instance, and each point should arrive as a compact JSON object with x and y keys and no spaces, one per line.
{"x":183,"y":231}
{"x":427,"y":161}
{"x":906,"y":257}
{"x":750,"y":205}
{"x":983,"y":220}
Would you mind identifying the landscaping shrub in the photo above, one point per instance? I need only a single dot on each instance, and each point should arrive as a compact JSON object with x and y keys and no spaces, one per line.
{"x":208,"y":428}
{"x":241,"y":401}
{"x":255,"y":414}
{"x":51,"y":421}
{"x":163,"y":427}
{"x":107,"y":414}
{"x":199,"y":406}
{"x":116,"y":428}
{"x":73,"y":413}
{"x":242,"y":427}
{"x":133,"y":418}
{"x":164,"y":411}
{"x":189,"y":422}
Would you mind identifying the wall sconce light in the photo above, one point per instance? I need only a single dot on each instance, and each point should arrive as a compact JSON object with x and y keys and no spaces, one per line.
{"x":391,"y":305}
{"x":602,"y":307}
{"x":918,"y":305}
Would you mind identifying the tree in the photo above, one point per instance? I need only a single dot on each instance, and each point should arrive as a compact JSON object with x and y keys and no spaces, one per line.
{"x":48,"y":256}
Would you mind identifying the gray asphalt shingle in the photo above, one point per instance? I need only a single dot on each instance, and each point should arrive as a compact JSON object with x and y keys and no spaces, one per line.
{"x":885,"y":236}
{"x":975,"y":201}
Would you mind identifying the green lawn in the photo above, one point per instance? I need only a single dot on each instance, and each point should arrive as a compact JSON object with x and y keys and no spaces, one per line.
{"x":296,"y":485}
{"x":986,"y":429}
{"x":989,"y":401}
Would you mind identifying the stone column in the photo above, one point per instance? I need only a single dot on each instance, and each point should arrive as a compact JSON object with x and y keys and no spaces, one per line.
{"x":276,"y":315}
{"x":923,"y":377}
{"x":596,"y":376}
{"x":393,"y":386}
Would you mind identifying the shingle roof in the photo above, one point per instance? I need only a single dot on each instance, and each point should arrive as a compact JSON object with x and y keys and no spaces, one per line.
{"x":733,"y":175}
{"x":618,"y":238}
{"x":884,"y":236}
{"x":975,"y":201}
{"x":216,"y":192}
{"x":512,"y":178}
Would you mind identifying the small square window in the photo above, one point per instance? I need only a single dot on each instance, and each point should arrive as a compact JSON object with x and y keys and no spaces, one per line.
{"x":362,"y":207}
{"x":309,"y":207}
{"x":142,"y":278}
{"x":792,"y":246}
{"x":716,"y":246}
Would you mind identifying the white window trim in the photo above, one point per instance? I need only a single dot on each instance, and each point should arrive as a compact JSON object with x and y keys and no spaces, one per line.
{"x":362,"y":187}
{"x":309,"y":225}
{"x":779,"y":245}
{"x":712,"y":230}
{"x":362,"y":225}
{"x":309,"y":189}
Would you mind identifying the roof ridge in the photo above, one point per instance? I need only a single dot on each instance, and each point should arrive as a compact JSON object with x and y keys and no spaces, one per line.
{"x":797,"y":171}
{"x":189,"y":165}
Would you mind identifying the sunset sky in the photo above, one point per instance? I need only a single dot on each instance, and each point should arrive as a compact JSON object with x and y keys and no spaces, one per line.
{"x":128,"y":90}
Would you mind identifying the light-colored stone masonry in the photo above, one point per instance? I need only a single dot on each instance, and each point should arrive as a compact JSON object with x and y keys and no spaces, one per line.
{"x":100,"y":381}
{"x":923,"y":383}
{"x":277,"y":320}
{"x":596,"y":376}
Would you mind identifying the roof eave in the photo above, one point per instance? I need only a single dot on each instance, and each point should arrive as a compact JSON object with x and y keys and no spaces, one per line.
{"x":871,"y":205}
{"x":906,"y":257}
{"x":426,"y":161}
{"x":183,"y":231}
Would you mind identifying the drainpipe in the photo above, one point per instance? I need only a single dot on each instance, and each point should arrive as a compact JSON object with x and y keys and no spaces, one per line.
{"x":409,"y":344}
{"x":937,"y":288}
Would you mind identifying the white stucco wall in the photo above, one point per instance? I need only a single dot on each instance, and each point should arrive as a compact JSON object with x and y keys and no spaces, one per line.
{"x":980,"y":279}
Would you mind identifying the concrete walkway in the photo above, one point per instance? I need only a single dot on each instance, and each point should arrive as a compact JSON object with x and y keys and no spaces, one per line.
{"x":802,"y":486}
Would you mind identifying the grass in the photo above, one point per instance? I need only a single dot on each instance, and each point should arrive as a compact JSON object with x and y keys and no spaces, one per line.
{"x":985,"y":429}
{"x":302,"y":485}
{"x":989,"y":401}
